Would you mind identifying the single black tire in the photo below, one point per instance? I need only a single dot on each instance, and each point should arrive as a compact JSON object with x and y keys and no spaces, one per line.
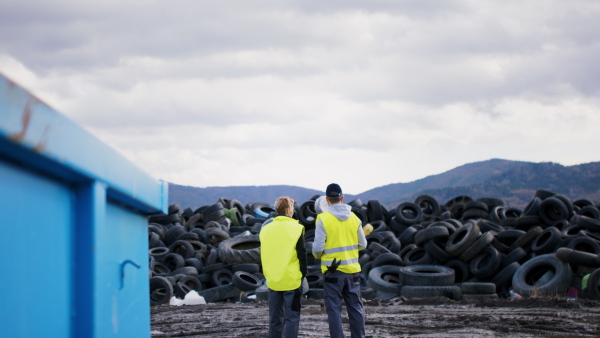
{"x":222,"y":277}
{"x":437,"y":252}
{"x":552,"y":210}
{"x":408,"y":236}
{"x":388,"y":259}
{"x":314,"y":279}
{"x":202,"y":237}
{"x":475,"y":213}
{"x":396,"y":226}
{"x":220,"y":293}
{"x":153,"y":240}
{"x":212,"y":257}
{"x":462,"y":239}
{"x":408,"y":213}
{"x":417,"y":256}
{"x":505,"y":249}
{"x":509,"y":236}
{"x":486,"y":264}
{"x":429,"y":205}
{"x":377,"y":247}
{"x":173,"y":261}
{"x":527,"y":238}
{"x":185,"y":271}
{"x":377,"y":280}
{"x":158,"y":229}
{"x":216,"y":235}
{"x":568,"y":255}
{"x":183,"y":248}
{"x":161,"y":290}
{"x":364,"y":258}
{"x":357,"y":203}
{"x":526,"y":280}
{"x":406,"y":250}
{"x":158,"y":268}
{"x":517,"y":255}
{"x":210,"y":268}
{"x":477,"y":288}
{"x":546,"y":241}
{"x":386,"y":239}
{"x":308,"y":214}
{"x":477,"y":247}
{"x":588,"y":223}
{"x":453,"y":292}
{"x":456,"y":206}
{"x":375,"y":211}
{"x":440,"y":233}
{"x":503,"y":279}
{"x":590,"y":211}
{"x":237,"y":250}
{"x":584,"y":243}
{"x":532,"y":208}
{"x":527,"y":222}
{"x":173,"y":233}
{"x":427,"y":275}
{"x":461,"y":270}
{"x":245,"y":281}
{"x":159,"y":253}
{"x":195,"y":262}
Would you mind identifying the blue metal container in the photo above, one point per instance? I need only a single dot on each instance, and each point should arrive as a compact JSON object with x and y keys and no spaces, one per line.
{"x":73,"y":227}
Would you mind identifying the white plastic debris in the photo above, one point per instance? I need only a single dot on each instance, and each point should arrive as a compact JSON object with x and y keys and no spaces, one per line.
{"x":192,"y":298}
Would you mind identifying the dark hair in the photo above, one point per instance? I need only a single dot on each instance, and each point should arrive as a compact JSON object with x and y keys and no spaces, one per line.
{"x":335,"y":200}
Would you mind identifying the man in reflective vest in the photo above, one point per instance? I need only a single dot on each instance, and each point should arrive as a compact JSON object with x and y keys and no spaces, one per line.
{"x":283,"y":257}
{"x":338,"y":238}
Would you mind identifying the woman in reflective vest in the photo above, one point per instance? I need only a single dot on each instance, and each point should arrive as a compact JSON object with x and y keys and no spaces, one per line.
{"x":283,"y":258}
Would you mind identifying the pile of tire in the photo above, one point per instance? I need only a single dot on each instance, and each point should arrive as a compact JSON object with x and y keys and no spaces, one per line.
{"x":213,"y":250}
{"x":540,"y":250}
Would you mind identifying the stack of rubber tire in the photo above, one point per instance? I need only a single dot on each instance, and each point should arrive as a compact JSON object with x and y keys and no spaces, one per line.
{"x":213,"y":250}
{"x":486,"y":247}
{"x":542,"y":250}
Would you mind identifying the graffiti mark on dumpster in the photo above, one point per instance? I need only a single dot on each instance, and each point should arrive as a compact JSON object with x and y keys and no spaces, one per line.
{"x":26,"y":118}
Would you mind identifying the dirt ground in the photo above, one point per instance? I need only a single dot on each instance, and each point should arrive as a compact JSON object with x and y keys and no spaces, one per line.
{"x":440,"y":317}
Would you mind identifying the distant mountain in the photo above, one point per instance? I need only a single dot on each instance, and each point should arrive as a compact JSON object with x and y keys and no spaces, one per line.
{"x":513,"y":181}
{"x":463,"y":176}
{"x":518,"y":185}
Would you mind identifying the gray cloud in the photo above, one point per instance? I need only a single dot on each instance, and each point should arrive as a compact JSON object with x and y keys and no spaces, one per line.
{"x":274,"y":92}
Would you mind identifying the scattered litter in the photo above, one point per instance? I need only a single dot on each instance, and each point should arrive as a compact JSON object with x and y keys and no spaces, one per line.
{"x":192,"y":298}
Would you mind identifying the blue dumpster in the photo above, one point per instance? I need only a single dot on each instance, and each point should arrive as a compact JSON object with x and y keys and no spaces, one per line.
{"x":73,"y":227}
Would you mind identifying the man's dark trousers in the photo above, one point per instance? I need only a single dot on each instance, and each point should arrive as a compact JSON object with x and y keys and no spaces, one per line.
{"x":339,"y":285}
{"x":284,"y":307}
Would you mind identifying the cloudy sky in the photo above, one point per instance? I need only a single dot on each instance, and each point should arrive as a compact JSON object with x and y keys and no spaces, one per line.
{"x":307,"y":92}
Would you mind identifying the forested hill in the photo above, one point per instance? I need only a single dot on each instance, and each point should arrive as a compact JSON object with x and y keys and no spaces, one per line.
{"x":513,"y":181}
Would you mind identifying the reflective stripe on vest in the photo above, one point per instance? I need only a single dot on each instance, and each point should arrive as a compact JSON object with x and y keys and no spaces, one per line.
{"x":278,"y":254}
{"x":341,"y":242}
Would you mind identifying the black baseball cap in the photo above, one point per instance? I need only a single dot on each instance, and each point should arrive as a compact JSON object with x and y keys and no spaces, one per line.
{"x":333,"y":190}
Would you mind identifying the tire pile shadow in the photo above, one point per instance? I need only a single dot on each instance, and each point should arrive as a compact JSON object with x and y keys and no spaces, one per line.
{"x":435,"y":317}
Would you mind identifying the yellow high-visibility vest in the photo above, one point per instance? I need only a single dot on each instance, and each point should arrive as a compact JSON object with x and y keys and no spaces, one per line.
{"x":341,"y":242}
{"x":278,"y":254}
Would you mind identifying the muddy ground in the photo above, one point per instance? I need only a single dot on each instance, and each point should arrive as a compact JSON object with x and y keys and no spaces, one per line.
{"x":532,"y":317}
